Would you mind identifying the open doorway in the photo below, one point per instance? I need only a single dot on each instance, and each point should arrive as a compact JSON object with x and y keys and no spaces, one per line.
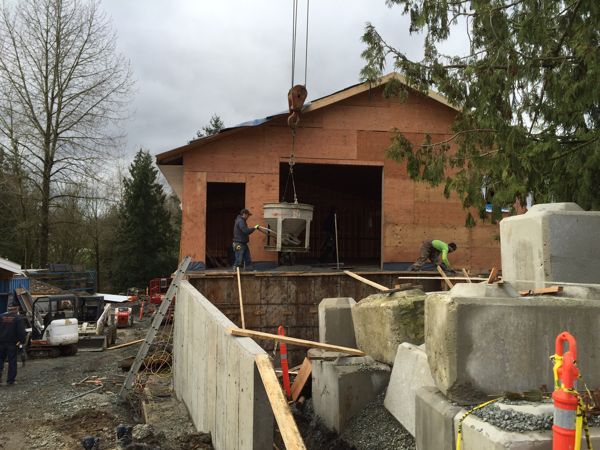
{"x":355,"y":194}
{"x":223,"y":203}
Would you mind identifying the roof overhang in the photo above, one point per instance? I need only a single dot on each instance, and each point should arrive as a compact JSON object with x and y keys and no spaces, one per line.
{"x":9,"y":266}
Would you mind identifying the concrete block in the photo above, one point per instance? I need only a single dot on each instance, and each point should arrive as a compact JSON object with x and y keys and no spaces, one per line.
{"x":480,"y":435}
{"x":478,"y":346}
{"x":410,"y":373}
{"x":384,"y":321}
{"x":550,"y":242}
{"x":434,"y":420}
{"x":342,"y":387}
{"x":335,"y":321}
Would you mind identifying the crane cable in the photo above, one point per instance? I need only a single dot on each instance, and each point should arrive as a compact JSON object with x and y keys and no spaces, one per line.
{"x":294,"y":38}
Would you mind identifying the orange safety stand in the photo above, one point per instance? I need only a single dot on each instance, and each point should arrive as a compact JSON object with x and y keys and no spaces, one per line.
{"x":564,"y":395}
{"x":284,"y":363}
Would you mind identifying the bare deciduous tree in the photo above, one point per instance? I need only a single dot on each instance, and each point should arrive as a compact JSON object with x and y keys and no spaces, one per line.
{"x":63,"y":90}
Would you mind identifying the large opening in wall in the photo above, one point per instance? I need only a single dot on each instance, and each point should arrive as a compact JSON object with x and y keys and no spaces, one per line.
{"x":354,"y":192}
{"x":223,"y":203}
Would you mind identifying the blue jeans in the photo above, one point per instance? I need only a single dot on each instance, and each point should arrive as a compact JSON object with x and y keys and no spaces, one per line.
{"x":242,"y":255}
{"x":9,"y":351}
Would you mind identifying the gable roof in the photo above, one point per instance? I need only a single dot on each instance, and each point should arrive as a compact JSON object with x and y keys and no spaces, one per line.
{"x":173,"y":155}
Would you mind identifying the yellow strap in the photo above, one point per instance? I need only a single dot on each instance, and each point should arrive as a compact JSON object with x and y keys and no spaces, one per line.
{"x":468,"y":413}
{"x":578,"y":426}
{"x":558,"y":360}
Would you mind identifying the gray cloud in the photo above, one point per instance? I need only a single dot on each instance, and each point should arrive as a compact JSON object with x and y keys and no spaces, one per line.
{"x":195,"y":58}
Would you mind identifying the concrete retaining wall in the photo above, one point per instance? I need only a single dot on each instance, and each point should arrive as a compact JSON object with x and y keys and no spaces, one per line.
{"x":214,"y":374}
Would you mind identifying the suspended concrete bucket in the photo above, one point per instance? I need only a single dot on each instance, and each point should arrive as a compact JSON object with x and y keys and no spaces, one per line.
{"x":290,"y":226}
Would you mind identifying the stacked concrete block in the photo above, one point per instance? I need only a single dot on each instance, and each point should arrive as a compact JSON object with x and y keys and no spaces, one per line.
{"x":410,"y":373}
{"x":434,"y":420}
{"x":384,"y":321}
{"x":215,"y":375}
{"x":551,"y":242}
{"x":335,"y":322}
{"x":480,"y":435}
{"x":342,"y":386}
{"x":480,"y":345}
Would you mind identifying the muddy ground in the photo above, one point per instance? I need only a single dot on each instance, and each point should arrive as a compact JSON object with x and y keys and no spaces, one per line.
{"x":42,"y":410}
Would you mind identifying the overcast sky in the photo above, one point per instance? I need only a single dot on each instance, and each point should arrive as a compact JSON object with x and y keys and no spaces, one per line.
{"x":195,"y":58}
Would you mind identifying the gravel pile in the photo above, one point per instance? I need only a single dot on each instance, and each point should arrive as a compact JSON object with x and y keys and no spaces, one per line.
{"x":512,"y":420}
{"x":376,"y":429}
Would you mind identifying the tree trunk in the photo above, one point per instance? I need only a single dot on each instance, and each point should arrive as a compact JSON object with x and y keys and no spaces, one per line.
{"x":45,"y":218}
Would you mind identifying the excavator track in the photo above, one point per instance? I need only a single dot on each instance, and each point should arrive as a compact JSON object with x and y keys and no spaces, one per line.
{"x":38,"y":352}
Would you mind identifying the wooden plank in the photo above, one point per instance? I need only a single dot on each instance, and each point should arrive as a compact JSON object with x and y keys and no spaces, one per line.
{"x":444,"y":277}
{"x":464,"y":271}
{"x":294,"y":341}
{"x":416,"y":278}
{"x":493,"y":275}
{"x":301,"y":379}
{"x":542,"y":291}
{"x":240,"y":294}
{"x":285,"y":420}
{"x":126,"y":344}
{"x":364,"y":280}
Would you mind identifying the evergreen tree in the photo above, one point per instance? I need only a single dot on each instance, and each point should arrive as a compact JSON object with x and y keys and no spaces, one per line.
{"x":214,"y":126}
{"x":146,"y":246}
{"x":528,"y":94}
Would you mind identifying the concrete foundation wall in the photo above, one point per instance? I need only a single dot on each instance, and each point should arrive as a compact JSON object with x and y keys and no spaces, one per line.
{"x":214,"y":374}
{"x":486,"y":345}
{"x":551,"y":242}
{"x":289,"y":299}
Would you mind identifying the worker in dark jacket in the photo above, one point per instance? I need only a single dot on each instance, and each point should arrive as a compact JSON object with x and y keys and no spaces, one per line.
{"x":241,"y":236}
{"x":435,"y":251}
{"x":12,"y":334}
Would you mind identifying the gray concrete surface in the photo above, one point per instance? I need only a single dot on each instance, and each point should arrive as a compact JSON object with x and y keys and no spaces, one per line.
{"x":410,"y":373}
{"x":335,"y":321}
{"x":343,"y":386}
{"x":215,"y":375}
{"x":479,"y":435}
{"x":480,"y":346}
{"x":551,"y":242}
{"x":434,"y":420}
{"x":384,"y":321}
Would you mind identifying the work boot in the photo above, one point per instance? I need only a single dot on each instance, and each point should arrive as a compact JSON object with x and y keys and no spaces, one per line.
{"x":124,"y":436}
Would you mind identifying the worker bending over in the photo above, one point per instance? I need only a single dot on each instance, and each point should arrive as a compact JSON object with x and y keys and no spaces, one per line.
{"x":12,"y":334}
{"x":241,"y":236}
{"x":435,"y":251}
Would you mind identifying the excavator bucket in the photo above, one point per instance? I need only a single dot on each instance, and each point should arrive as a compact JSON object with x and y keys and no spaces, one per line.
{"x":91,"y":343}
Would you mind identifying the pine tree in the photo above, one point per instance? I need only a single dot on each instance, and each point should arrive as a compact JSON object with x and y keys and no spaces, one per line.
{"x":146,"y":245}
{"x":528,"y":94}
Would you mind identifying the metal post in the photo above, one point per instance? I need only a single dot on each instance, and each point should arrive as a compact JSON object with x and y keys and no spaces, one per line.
{"x":337,"y":254}
{"x":158,"y":318}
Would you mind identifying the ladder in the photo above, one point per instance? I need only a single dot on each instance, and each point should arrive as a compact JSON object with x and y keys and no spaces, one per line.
{"x":158,"y":318}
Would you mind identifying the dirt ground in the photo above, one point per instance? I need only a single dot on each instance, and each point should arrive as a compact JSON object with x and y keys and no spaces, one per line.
{"x":42,"y":410}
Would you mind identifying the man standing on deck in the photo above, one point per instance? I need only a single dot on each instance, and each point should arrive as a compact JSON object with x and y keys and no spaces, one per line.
{"x":241,"y":236}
